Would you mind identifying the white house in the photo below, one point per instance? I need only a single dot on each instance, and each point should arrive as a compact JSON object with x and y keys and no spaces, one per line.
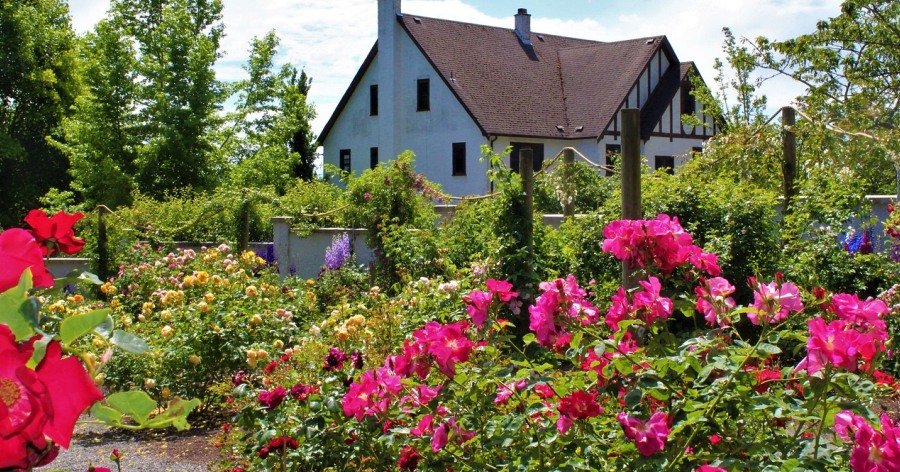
{"x":444,"y":88}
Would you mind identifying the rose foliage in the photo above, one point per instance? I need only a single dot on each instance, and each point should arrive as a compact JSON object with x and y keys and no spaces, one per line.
{"x":789,"y":382}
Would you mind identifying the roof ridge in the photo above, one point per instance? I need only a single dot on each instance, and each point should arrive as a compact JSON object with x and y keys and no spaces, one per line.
{"x":598,"y":42}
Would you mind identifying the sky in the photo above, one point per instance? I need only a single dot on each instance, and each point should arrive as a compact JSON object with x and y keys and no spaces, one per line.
{"x":330,"y":38}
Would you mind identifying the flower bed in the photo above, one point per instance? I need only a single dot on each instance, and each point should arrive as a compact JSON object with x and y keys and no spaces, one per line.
{"x":674,"y":376}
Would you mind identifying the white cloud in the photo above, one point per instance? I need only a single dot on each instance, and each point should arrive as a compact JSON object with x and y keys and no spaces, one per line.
{"x":331,"y":38}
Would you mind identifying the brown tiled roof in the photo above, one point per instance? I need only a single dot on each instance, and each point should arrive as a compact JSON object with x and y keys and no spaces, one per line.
{"x":511,"y":89}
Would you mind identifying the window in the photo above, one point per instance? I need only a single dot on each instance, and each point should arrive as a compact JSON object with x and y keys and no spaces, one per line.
{"x":345,"y":160}
{"x":373,"y":100}
{"x":373,"y":157}
{"x":613,"y":151}
{"x":688,"y":104}
{"x":423,"y":98}
{"x":537,"y":155}
{"x":697,"y":150}
{"x":459,"y":158}
{"x":667,"y":163}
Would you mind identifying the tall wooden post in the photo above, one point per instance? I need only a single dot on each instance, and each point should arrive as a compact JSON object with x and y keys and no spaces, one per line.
{"x":789,"y":163}
{"x":568,"y":203}
{"x":244,"y":224}
{"x":631,"y":179}
{"x":526,"y":171}
{"x":102,"y":244}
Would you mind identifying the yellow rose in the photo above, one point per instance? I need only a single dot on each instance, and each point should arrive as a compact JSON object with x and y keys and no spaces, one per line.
{"x":194,"y":359}
{"x":255,"y":320}
{"x":108,"y":289}
{"x":342,"y":334}
{"x":189,"y":281}
{"x":203,"y":307}
{"x":208,"y":297}
{"x":147,"y":307}
{"x":278,"y":344}
{"x":166,"y":331}
{"x":251,"y":291}
{"x":202,"y":277}
{"x":166,"y":315}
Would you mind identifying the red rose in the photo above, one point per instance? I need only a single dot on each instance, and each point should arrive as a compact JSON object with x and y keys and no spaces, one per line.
{"x":55,"y":233}
{"x":39,"y":405}
{"x":19,"y":251}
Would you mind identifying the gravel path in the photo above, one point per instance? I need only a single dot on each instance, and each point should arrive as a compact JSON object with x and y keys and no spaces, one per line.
{"x":187,"y":451}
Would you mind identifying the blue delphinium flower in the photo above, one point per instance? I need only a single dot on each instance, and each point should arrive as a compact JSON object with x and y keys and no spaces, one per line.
{"x":338,"y":253}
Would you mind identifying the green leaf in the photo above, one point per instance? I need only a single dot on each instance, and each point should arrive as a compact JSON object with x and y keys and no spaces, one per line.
{"x":768,"y":349}
{"x":14,"y":309}
{"x":129,"y":342}
{"x":106,"y":414}
{"x":175,"y":415}
{"x":77,"y":326}
{"x":40,"y":349}
{"x":136,"y":404}
{"x":528,"y":339}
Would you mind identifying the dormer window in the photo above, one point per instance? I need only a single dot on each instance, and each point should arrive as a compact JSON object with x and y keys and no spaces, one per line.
{"x":423,"y":95}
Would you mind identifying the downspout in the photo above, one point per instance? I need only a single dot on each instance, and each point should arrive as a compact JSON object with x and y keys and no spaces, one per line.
{"x":491,"y":141}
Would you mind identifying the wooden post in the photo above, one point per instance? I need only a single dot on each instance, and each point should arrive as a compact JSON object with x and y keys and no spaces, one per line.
{"x":789,"y":164}
{"x":568,"y":203}
{"x":526,"y":171}
{"x":631,"y":179}
{"x":244,"y":223}
{"x":102,"y":245}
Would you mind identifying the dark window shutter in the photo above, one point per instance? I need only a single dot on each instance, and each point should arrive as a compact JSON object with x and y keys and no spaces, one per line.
{"x":613,"y":152}
{"x":423,"y":95}
{"x":667,"y":163}
{"x":373,"y":100}
{"x":373,"y":157}
{"x":345,"y":160}
{"x":459,"y":158}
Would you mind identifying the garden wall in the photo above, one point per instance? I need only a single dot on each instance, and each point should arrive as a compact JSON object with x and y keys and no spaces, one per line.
{"x":304,"y":257}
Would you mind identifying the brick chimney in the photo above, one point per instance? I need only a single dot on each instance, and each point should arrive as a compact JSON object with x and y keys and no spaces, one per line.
{"x":387,"y":66}
{"x":523,"y":26}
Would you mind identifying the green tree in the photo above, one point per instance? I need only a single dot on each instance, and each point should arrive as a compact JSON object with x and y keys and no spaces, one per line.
{"x":38,"y":84}
{"x":304,"y":141}
{"x":102,"y":135}
{"x":270,"y":137}
{"x":177,"y":44}
{"x":851,"y":68}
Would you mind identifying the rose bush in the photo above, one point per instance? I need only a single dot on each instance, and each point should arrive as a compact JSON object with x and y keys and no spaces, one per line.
{"x":595,"y":386}
{"x":203,"y":315}
{"x":42,"y":391}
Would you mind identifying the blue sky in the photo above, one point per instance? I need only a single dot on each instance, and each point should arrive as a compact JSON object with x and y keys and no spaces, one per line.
{"x":330,"y":38}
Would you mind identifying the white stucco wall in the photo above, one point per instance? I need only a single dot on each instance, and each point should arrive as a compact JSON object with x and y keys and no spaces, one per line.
{"x":428,"y":134}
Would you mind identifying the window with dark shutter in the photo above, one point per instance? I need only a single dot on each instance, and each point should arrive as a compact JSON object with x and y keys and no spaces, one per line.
{"x":666,"y":163}
{"x":373,"y":100}
{"x":423,"y":95}
{"x":345,"y":160}
{"x":688,"y":104}
{"x":537,"y":155}
{"x":613,"y":151}
{"x":373,"y":157}
{"x":459,"y":158}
